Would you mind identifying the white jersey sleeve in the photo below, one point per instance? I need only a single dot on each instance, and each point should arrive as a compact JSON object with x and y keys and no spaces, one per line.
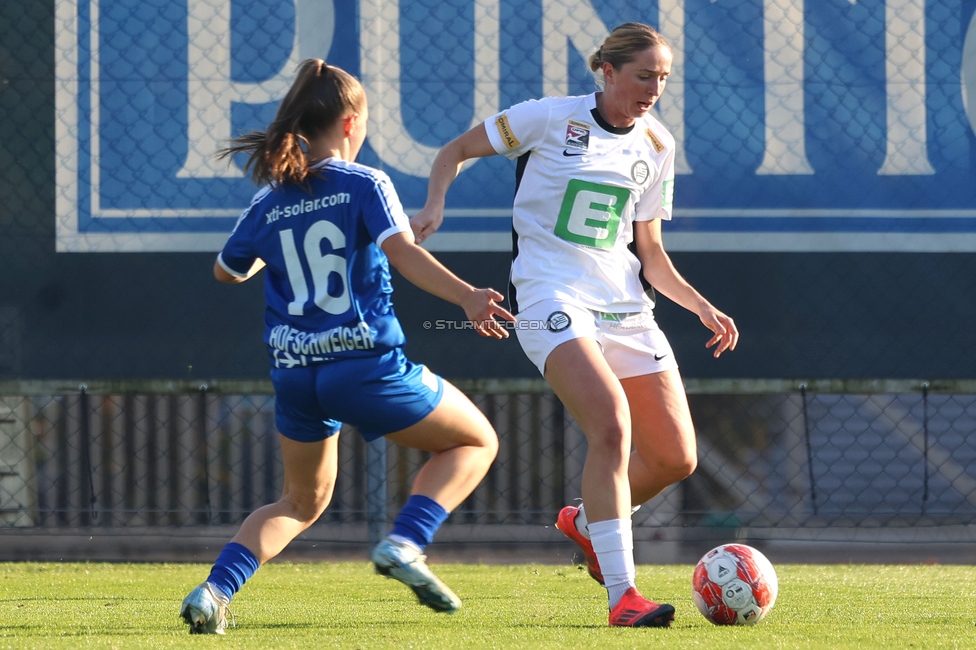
{"x":520,"y":128}
{"x":658,"y":199}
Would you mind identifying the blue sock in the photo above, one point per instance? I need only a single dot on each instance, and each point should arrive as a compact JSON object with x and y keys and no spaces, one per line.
{"x":233,"y":567}
{"x":419,"y":519}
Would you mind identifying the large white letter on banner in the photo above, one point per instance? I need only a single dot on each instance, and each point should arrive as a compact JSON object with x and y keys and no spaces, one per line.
{"x":969,"y":73}
{"x":564,"y":22}
{"x":786,"y":150}
{"x":907,"y":148}
{"x":380,"y":55}
{"x":671,"y":107}
{"x":211,"y":90}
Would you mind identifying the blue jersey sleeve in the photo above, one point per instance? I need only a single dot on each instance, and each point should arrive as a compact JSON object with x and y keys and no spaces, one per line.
{"x":382,"y":211}
{"x":239,"y":254}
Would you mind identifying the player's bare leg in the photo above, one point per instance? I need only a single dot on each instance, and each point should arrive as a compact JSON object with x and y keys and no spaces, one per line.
{"x":664,"y":441}
{"x":309,"y":478}
{"x":588,"y":389}
{"x":464,"y":444}
{"x":582,"y":379}
{"x":663,"y":433}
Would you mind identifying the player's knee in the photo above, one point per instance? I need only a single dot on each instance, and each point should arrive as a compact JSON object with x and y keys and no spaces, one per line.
{"x":488,"y":441}
{"x":482,"y":445}
{"x":610,"y":439}
{"x":685,"y":468}
{"x":668,"y":465}
{"x":480,"y":434}
{"x":678,"y":467}
{"x":309,"y":504}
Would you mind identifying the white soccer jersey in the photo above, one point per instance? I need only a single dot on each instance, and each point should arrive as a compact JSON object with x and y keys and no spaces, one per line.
{"x":581,"y":183}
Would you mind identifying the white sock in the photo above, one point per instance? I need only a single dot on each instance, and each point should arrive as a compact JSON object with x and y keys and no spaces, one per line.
{"x":403,"y":540}
{"x":581,"y":522}
{"x":613,"y":543}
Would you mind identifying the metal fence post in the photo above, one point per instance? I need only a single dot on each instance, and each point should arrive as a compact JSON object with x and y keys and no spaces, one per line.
{"x":376,"y":490}
{"x":86,"y":482}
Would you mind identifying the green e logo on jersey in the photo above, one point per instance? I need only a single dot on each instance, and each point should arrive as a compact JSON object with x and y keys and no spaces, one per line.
{"x":590,"y":213}
{"x":667,"y":193}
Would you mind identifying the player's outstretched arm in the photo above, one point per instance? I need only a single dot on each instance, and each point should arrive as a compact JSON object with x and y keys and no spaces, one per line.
{"x":660,"y":272}
{"x":422,"y":269}
{"x":446,"y":167}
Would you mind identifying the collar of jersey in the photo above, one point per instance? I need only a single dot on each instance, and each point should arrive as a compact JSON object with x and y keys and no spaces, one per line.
{"x":606,"y":126}
{"x":322,"y":163}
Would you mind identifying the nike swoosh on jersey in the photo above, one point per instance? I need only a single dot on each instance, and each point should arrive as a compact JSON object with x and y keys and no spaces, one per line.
{"x":568,"y":153}
{"x":658,"y":357}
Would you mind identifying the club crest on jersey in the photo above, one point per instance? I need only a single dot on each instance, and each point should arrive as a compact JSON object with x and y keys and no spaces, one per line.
{"x":577,"y":135}
{"x":639,"y":172}
{"x":658,"y":145}
{"x":558,"y":321}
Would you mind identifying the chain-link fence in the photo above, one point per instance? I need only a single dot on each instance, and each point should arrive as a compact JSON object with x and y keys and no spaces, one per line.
{"x":825,"y":198}
{"x":809,"y":131}
{"x":777,"y":464}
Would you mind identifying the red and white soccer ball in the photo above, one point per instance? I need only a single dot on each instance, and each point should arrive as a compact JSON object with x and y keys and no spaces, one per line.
{"x":734,"y":584}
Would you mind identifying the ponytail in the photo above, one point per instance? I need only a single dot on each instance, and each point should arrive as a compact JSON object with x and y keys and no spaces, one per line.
{"x":318,"y":98}
{"x":596,"y":60}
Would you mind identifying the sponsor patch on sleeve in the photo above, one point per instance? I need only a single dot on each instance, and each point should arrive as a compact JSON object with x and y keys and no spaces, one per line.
{"x":658,"y":145}
{"x":505,"y":130}
{"x":667,"y":193}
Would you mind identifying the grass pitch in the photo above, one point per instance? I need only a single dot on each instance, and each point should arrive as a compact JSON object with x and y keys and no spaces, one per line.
{"x":345,"y":605}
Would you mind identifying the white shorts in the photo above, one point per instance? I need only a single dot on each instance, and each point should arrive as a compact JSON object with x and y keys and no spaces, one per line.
{"x":632,"y":343}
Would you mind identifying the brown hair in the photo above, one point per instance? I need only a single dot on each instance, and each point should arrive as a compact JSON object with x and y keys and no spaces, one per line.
{"x":318,"y":98}
{"x":624,"y":44}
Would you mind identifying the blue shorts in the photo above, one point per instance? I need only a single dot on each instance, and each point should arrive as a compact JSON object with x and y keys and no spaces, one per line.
{"x":377,"y":395}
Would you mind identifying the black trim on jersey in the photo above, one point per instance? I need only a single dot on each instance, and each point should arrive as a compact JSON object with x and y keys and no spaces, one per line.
{"x":648,"y":289}
{"x":519,"y":170}
{"x":512,"y":300}
{"x":609,"y":128}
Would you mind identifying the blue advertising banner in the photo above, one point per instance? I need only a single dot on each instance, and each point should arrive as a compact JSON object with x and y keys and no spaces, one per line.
{"x":835,"y":125}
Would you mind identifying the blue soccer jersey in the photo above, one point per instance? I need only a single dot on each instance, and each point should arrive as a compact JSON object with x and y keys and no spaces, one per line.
{"x":327,"y":285}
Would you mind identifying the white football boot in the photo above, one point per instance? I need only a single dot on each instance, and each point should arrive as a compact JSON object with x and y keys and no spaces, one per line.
{"x":405,"y":562}
{"x":205,"y":610}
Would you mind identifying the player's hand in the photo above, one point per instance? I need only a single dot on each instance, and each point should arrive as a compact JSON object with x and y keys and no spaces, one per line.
{"x":481,"y":306}
{"x":726,"y":335}
{"x":426,"y":222}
